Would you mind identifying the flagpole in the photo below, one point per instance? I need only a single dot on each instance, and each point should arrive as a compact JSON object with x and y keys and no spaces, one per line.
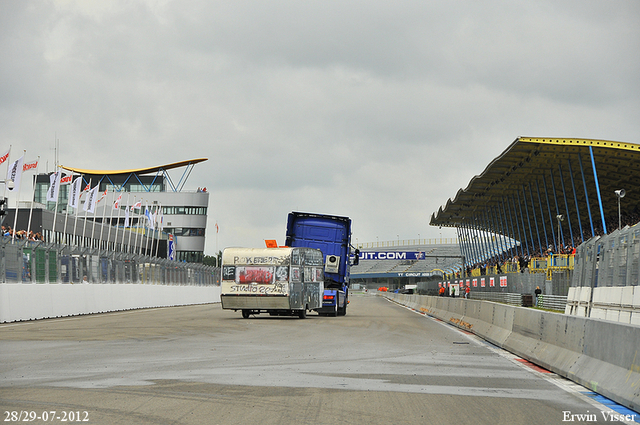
{"x":77,"y":207}
{"x":104,"y":216}
{"x":154,"y":234}
{"x":92,"y":207}
{"x":135,"y":244}
{"x":33,"y":195}
{"x":159,"y":228}
{"x":126,"y":222}
{"x":4,"y":195}
{"x":130,"y":224}
{"x":55,"y":211}
{"x":8,"y":160}
{"x":115,"y":238}
{"x":146,"y":246}
{"x":153,"y":231}
{"x":84,"y":225}
{"x":15,"y":216}
{"x":140,"y":215}
{"x":93,"y":227}
{"x":66,"y":218}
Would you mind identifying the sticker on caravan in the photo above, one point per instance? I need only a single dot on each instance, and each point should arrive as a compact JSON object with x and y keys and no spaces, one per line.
{"x":260,"y":275}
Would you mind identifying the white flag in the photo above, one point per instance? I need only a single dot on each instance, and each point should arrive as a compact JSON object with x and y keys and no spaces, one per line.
{"x":54,"y":186}
{"x":161,"y":220}
{"x":74,"y":193}
{"x":92,"y":199}
{"x":15,"y":173}
{"x":126,"y":217}
{"x":147,"y":214}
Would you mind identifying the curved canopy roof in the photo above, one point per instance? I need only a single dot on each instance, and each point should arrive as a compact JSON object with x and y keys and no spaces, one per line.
{"x":522,"y":191}
{"x":138,"y":171}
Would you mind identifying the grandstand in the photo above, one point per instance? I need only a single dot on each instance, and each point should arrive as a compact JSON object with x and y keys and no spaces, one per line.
{"x":431,"y":261}
{"x":520,"y":221}
{"x":547,"y":195}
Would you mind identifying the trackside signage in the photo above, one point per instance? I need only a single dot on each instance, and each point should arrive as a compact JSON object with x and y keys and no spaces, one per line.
{"x":392,"y":255}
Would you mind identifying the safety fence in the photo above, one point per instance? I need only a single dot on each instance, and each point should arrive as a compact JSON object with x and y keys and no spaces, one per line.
{"x":38,"y":262}
{"x":611,"y":260}
{"x":548,"y":302}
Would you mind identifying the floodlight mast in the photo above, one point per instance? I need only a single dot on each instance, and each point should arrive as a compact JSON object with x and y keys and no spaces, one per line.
{"x":620,"y":194}
{"x":560,"y":218}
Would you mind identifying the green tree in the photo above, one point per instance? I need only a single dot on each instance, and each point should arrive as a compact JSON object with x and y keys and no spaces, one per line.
{"x":210,"y":260}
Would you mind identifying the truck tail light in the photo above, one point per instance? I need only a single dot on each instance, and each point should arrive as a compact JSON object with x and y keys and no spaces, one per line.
{"x":327,"y":297}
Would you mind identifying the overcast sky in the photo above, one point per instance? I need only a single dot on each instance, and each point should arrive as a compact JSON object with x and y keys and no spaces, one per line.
{"x":376,"y":110}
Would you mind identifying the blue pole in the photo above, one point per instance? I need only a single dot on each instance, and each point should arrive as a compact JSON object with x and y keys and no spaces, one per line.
{"x":575,"y":198}
{"x":555,"y":198}
{"x":544,"y":225}
{"x":595,"y":176}
{"x":586,"y":195}
{"x":513,"y":232}
{"x":526,"y":208}
{"x":521,"y":232}
{"x":566,"y":204}
{"x":552,"y":224}
{"x":535,"y":216}
{"x":487,"y":225}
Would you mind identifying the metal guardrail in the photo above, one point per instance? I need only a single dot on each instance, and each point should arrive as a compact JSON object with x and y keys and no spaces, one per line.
{"x":549,"y":302}
{"x":552,"y":302}
{"x":501,"y":297}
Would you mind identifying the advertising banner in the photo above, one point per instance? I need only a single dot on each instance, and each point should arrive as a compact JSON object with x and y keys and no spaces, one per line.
{"x":392,"y":255}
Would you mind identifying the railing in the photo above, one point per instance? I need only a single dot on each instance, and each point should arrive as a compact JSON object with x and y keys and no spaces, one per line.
{"x":38,"y":262}
{"x":549,"y":302}
{"x":552,"y":302}
{"x":500,"y":297}
{"x":407,"y":242}
{"x":552,"y":263}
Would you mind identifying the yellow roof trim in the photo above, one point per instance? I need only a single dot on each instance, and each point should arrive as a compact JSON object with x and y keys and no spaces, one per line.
{"x":582,"y":142}
{"x":147,"y":170}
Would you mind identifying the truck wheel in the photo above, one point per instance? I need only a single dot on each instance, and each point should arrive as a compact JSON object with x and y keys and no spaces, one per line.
{"x":334,"y":313}
{"x":302,"y":314}
{"x":246,"y":314}
{"x":343,"y":310}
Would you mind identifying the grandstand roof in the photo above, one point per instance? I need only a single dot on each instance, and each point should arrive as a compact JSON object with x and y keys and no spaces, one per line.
{"x":139,"y":171}
{"x":535,"y":179}
{"x":120,"y":178}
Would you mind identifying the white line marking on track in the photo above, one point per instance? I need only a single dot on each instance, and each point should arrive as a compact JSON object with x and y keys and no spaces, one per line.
{"x":551,"y":377}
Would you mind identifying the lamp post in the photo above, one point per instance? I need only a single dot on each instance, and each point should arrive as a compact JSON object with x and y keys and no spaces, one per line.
{"x":560,"y":218}
{"x":619,"y":194}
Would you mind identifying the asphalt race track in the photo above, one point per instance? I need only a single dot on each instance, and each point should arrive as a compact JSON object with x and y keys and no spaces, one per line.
{"x":381,"y":364}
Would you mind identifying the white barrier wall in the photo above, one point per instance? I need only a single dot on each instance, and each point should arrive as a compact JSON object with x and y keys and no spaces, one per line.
{"x":40,"y":301}
{"x":602,"y":355}
{"x":614,"y":303}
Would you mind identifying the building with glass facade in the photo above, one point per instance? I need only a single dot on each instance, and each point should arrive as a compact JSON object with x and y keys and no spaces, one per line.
{"x":181,"y":214}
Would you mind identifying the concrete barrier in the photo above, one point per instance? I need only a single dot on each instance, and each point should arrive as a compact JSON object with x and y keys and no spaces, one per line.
{"x":601,"y":355}
{"x":40,"y":301}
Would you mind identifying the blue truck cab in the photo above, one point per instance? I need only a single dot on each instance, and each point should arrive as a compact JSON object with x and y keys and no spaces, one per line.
{"x":331,"y":235}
